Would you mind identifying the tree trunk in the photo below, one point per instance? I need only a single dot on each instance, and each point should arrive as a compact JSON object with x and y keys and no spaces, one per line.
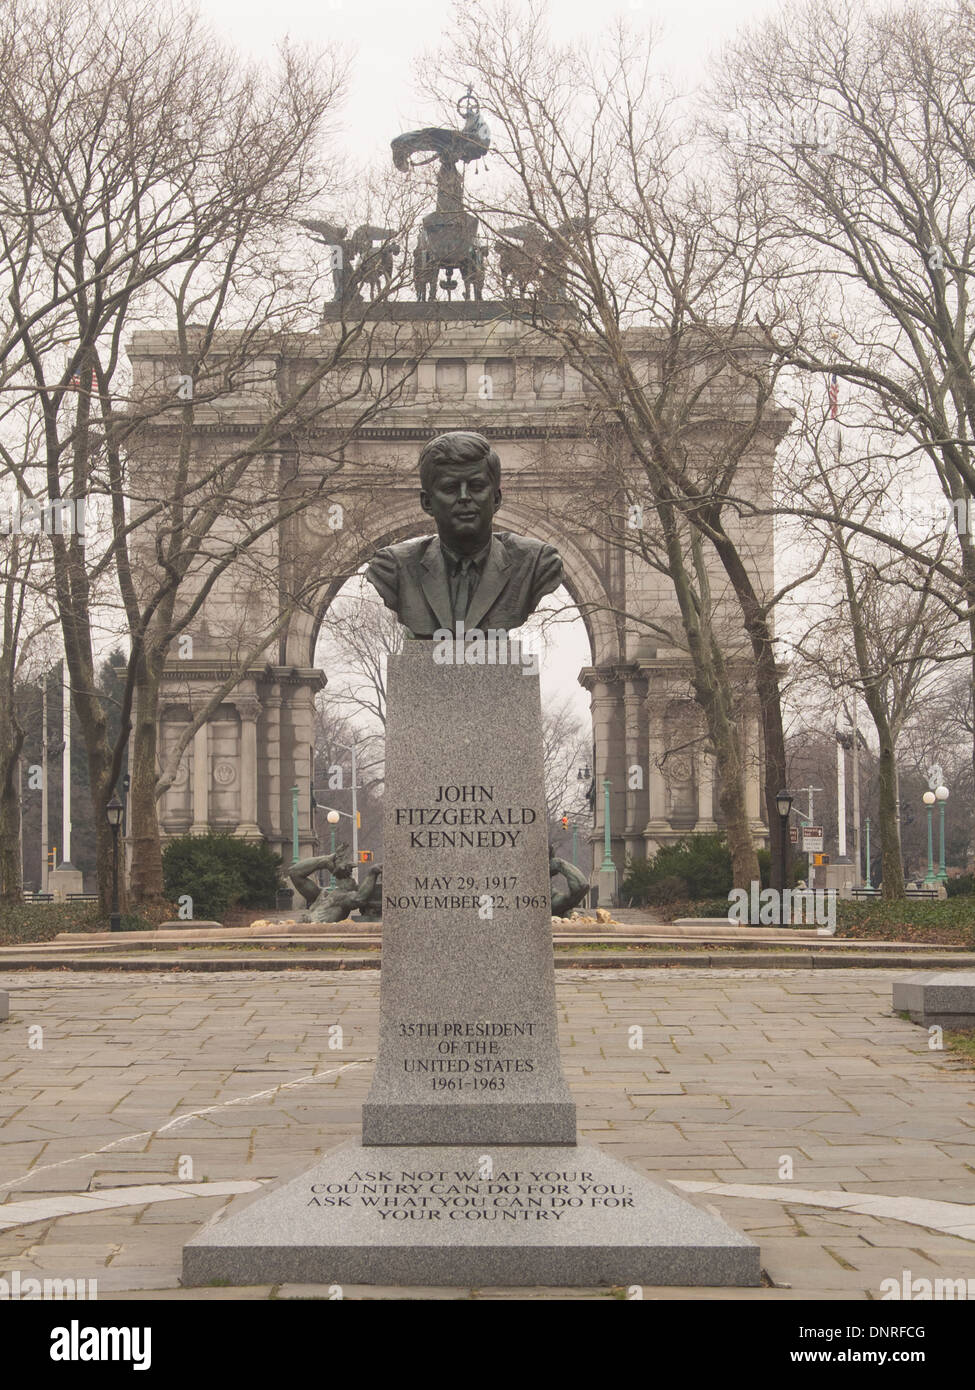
{"x":11,"y":742}
{"x":759,"y":631}
{"x":731,"y":799}
{"x":715,"y":698}
{"x":968,"y":571}
{"x":87,"y":706}
{"x":892,"y":870}
{"x":11,"y":739}
{"x":146,"y":876}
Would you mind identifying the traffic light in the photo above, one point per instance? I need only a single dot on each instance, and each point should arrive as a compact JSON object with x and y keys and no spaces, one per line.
{"x":820,"y":860}
{"x":365,"y":855}
{"x":565,"y":822}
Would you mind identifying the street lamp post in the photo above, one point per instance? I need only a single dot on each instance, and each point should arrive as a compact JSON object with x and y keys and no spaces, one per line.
{"x":929,"y":799}
{"x":294,"y":825}
{"x":607,"y":878}
{"x":351,"y":748}
{"x":113,"y":812}
{"x":866,"y":824}
{"x":941,"y":794}
{"x":783,"y":804}
{"x":584,"y":774}
{"x":607,"y":866}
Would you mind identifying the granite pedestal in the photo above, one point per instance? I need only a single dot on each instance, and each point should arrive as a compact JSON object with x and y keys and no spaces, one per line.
{"x":945,"y":997}
{"x":468,"y":1038}
{"x":468,"y":1172}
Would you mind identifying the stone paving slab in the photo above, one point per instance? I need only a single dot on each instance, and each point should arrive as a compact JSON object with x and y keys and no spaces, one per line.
{"x":233,"y":1072}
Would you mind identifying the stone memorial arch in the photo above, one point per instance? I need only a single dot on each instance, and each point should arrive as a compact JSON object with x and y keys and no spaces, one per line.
{"x":482,"y":368}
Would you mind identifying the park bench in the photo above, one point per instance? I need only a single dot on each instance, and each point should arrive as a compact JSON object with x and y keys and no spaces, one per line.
{"x":82,"y":897}
{"x":908,"y":892}
{"x":38,"y":897}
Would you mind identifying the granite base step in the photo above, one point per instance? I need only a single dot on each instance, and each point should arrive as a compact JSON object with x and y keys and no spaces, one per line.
{"x":946,"y":998}
{"x":567,"y":1216}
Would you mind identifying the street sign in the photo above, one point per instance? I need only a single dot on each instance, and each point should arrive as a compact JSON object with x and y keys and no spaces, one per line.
{"x":793,"y":834}
{"x":812,"y":839}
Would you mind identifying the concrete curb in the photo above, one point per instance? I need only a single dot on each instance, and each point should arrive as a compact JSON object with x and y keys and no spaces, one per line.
{"x":596,"y":960}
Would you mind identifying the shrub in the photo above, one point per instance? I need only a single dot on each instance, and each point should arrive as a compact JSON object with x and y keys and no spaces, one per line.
{"x":908,"y":916}
{"x":666,"y":890}
{"x":218,"y":872}
{"x":695,"y":866}
{"x":961,"y":886}
{"x":43,"y":921}
{"x":134,"y":921}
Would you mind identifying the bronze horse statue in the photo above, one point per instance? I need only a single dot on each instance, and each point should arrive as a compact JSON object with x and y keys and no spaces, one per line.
{"x":356,"y":261}
{"x":528,"y":258}
{"x":436,"y":252}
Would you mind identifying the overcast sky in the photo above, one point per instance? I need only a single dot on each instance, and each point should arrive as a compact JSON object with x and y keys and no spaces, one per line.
{"x":385,"y":36}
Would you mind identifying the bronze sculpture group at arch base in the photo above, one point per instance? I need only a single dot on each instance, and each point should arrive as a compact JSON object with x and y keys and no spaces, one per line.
{"x":469,"y":1171}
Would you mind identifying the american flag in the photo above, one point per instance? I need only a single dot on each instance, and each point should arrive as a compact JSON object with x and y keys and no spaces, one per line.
{"x":834,"y":397}
{"x":76,"y":381}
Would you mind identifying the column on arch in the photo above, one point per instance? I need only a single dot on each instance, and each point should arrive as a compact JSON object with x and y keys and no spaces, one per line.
{"x":297,"y":730}
{"x":201,"y":775}
{"x":706,"y":824}
{"x":269,"y":767}
{"x":605,"y":686}
{"x":637,"y":771}
{"x":658,"y":828}
{"x":752,"y":756}
{"x":175,"y":807}
{"x":248,"y":710}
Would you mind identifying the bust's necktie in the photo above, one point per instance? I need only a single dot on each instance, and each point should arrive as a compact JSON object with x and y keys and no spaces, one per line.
{"x":466,"y":577}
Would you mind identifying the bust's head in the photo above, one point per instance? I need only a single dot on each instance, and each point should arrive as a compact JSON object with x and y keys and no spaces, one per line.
{"x":460,"y":487}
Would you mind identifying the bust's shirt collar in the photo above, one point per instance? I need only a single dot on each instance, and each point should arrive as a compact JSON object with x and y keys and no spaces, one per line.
{"x":454,"y":560}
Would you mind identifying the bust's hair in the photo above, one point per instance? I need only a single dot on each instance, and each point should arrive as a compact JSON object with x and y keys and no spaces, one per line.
{"x":459,"y":446}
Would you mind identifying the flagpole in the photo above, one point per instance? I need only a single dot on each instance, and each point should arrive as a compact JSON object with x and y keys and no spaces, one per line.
{"x":44,"y":830}
{"x":858,"y":880}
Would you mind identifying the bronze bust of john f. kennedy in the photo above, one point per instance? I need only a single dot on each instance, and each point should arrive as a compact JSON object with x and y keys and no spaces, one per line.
{"x":468,"y":573}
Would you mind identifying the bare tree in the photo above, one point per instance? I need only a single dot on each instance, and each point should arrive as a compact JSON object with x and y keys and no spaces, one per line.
{"x":857,"y":121}
{"x":658,"y":277}
{"x":165,"y":182}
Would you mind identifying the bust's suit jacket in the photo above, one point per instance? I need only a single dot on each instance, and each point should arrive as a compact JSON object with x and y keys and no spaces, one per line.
{"x":411,"y":579}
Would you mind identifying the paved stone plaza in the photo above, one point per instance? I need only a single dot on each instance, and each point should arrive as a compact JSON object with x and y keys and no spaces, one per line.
{"x":241,"y":1075}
